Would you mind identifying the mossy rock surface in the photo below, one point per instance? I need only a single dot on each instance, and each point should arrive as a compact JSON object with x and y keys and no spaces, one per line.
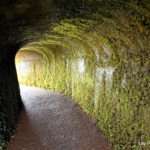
{"x":96,"y":51}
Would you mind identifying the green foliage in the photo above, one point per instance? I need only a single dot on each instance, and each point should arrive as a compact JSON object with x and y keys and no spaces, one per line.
{"x":111,"y":49}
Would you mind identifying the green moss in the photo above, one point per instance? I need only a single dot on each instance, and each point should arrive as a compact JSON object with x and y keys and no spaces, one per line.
{"x":113,"y":83}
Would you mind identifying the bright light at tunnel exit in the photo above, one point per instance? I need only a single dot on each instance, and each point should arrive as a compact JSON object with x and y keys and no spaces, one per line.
{"x":23,"y":68}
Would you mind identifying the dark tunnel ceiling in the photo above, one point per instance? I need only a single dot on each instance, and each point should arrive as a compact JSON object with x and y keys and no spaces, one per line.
{"x":26,"y":20}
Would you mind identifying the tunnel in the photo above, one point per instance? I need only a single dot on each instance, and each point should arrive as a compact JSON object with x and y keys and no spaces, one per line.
{"x":94,"y":51}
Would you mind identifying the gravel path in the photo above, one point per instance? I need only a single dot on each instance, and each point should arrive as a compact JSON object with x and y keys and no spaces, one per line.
{"x":53,"y":121}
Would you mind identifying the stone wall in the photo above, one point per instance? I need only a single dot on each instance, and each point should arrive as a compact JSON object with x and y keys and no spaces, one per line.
{"x":10,"y":100}
{"x":107,"y":74}
{"x":96,"y":51}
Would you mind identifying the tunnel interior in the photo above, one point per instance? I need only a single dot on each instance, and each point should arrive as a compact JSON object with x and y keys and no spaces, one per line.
{"x":97,"y":52}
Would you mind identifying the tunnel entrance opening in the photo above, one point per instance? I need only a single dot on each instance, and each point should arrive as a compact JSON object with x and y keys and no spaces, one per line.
{"x":28,"y":63}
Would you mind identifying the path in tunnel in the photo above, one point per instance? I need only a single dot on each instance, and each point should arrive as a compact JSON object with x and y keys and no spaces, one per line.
{"x":52,"y":121}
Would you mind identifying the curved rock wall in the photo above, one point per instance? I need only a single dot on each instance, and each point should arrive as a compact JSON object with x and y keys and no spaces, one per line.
{"x":103,"y":65}
{"x":96,"y":51}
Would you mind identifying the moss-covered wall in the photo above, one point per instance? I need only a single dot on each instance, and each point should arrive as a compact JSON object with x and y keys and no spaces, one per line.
{"x":103,"y":64}
{"x":96,"y":51}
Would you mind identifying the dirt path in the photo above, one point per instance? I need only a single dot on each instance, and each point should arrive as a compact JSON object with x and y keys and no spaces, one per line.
{"x":52,"y":121}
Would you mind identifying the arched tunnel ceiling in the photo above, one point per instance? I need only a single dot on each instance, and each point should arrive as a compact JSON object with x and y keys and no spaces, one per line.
{"x":29,"y":20}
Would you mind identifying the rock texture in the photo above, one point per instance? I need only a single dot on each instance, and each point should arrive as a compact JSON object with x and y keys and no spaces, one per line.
{"x":107,"y":39}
